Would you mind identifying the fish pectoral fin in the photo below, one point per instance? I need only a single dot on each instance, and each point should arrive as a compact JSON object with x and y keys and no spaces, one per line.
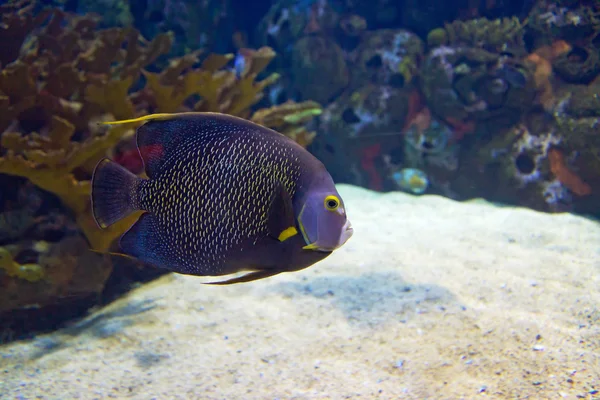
{"x":249,"y":277}
{"x":281,"y":223}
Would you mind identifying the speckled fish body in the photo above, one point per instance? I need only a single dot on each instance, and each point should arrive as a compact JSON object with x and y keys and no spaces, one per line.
{"x":223,"y":195}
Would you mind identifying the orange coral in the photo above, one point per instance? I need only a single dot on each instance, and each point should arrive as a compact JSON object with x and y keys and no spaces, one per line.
{"x":559,"y":168}
{"x":542,"y":60}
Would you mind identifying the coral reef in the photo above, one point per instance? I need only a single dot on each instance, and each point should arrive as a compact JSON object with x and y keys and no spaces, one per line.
{"x":114,"y":12}
{"x":499,"y":35}
{"x":195,"y":24}
{"x":387,"y":57}
{"x":581,"y":64}
{"x":481,"y":110}
{"x":50,"y":272}
{"x":318,"y":68}
{"x":69,"y":75}
{"x":473,"y":89}
{"x":368,"y":116}
{"x":573,"y":21}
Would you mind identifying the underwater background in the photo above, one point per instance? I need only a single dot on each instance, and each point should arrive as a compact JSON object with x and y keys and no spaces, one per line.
{"x":458,"y":131}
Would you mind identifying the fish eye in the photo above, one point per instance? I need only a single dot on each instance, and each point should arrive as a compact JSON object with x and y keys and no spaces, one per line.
{"x":332,"y":203}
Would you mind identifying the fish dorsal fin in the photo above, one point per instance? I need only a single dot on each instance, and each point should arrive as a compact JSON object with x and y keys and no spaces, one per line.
{"x":282,"y":222}
{"x":159,"y":137}
{"x":162,"y":134}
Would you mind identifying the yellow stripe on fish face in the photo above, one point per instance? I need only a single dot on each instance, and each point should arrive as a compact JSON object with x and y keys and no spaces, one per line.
{"x":287,"y":233}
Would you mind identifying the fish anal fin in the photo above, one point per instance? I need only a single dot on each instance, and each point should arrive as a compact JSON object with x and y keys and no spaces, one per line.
{"x":249,"y":277}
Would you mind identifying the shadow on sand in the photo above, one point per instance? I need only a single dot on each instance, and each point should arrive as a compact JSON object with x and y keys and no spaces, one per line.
{"x":374,"y":297}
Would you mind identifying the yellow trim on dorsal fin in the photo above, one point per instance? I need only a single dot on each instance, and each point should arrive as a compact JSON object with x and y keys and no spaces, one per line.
{"x":150,"y":117}
{"x":287,"y":233}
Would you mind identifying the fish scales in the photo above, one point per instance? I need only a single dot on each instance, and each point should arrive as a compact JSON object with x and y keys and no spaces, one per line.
{"x":208,"y":205}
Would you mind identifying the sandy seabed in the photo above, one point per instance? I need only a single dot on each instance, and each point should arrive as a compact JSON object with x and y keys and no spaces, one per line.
{"x":431,"y":298}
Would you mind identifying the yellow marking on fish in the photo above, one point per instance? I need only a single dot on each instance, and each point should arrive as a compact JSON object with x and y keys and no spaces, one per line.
{"x":331,"y":202}
{"x":312,"y":246}
{"x":110,"y":253}
{"x":287,"y":233}
{"x":150,"y":117}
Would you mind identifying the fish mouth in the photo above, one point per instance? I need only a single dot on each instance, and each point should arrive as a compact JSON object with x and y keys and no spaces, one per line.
{"x":346,"y":234}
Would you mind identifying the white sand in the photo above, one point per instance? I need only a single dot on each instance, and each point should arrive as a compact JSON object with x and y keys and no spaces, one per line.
{"x":430,"y":299}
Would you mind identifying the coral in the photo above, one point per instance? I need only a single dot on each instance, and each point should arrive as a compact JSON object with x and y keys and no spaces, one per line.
{"x":528,"y":155}
{"x":571,"y":21}
{"x":67,"y":76}
{"x":428,"y":142}
{"x":49,"y":272}
{"x":49,"y":161}
{"x":353,"y":25}
{"x":318,"y":68}
{"x":354,"y":128}
{"x":69,"y":70}
{"x":437,"y":37}
{"x":29,"y":272}
{"x":219,"y":89}
{"x":18,"y":20}
{"x":497,"y":35}
{"x":387,"y":57}
{"x":565,"y":175}
{"x":476,"y":90}
{"x":114,"y":12}
{"x":368,"y":111}
{"x":581,"y":64}
{"x":286,"y":22}
{"x":195,"y":24}
{"x":290,"y":119}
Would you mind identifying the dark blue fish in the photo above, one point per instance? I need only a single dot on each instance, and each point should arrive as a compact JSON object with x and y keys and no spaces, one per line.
{"x":223,"y":195}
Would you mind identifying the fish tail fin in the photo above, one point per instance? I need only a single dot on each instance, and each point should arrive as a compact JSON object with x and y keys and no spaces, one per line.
{"x":114,"y":192}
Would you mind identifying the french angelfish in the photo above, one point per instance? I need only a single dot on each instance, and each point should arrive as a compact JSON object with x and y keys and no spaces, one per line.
{"x":223,"y":195}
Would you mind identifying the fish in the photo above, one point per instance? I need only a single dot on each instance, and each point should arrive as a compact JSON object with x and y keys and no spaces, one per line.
{"x":222,"y":195}
{"x":241,"y":63}
{"x":411,"y":180}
